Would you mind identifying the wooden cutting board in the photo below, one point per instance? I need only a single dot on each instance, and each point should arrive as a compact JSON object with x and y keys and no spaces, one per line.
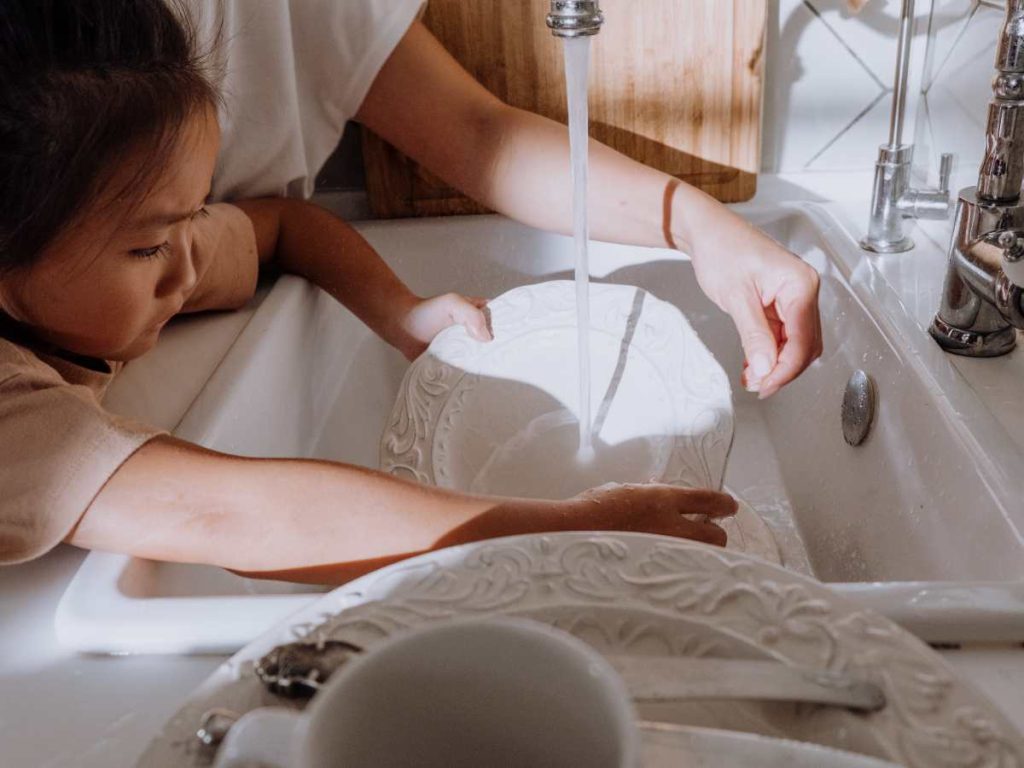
{"x":675,"y":84}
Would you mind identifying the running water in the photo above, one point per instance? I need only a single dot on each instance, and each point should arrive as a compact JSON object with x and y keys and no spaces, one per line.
{"x":577,"y":66}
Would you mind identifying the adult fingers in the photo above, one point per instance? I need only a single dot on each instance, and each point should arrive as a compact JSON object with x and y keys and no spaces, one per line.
{"x":756,"y":336}
{"x":799,"y":314}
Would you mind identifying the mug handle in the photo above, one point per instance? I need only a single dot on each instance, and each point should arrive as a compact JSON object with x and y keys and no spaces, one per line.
{"x":265,"y":736}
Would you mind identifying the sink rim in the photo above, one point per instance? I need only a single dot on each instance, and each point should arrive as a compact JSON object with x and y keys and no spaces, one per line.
{"x":932,"y":621}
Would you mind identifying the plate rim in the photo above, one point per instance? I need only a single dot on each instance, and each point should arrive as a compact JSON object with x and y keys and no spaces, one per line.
{"x":408,"y":444}
{"x":985,"y":726}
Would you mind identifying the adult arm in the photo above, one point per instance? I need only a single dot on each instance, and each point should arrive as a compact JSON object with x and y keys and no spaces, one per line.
{"x":517,"y":163}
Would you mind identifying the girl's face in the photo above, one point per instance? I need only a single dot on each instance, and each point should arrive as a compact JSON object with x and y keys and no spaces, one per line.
{"x":106,"y":286}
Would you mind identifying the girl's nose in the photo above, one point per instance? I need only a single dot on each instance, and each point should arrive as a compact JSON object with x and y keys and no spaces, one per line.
{"x":180,"y":275}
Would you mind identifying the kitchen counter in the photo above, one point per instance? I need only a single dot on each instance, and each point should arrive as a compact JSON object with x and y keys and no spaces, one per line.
{"x":60,"y":709}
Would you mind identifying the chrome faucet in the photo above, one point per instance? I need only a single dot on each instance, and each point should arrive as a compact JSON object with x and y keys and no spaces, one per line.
{"x":575,"y":18}
{"x":981,"y":299}
{"x":892,"y":198}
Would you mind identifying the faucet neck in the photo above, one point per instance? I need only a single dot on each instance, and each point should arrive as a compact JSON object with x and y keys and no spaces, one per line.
{"x":902,"y":76}
{"x":1002,"y":169}
{"x":1010,"y":51}
{"x":575,"y":18}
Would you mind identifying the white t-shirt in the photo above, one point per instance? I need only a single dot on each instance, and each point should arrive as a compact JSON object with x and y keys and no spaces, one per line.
{"x":293,"y":73}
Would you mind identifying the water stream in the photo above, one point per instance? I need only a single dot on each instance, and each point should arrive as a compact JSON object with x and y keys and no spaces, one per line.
{"x":577,"y":67}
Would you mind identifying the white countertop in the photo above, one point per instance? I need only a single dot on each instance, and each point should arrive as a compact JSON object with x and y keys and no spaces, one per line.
{"x":59,"y":709}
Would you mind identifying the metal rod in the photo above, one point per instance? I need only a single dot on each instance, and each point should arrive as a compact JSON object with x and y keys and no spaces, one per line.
{"x":899,"y":90}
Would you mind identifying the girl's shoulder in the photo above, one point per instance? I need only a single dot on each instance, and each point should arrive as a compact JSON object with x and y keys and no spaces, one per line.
{"x":22,"y":365}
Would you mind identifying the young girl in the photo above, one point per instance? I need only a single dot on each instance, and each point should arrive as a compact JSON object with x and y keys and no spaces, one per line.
{"x":108,"y":142}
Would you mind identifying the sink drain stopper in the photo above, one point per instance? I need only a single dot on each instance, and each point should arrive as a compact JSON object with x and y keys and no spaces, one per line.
{"x":858,"y":408}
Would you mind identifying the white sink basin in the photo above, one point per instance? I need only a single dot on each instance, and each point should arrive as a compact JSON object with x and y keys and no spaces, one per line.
{"x":917,"y":521}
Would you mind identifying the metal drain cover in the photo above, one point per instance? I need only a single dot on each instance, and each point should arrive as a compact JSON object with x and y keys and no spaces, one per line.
{"x":858,"y":408}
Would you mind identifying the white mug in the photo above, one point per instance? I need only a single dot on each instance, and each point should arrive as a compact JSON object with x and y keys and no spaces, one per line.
{"x":478,"y":692}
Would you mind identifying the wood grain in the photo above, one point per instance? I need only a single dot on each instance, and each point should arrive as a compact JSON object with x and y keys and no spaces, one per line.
{"x":675,"y":84}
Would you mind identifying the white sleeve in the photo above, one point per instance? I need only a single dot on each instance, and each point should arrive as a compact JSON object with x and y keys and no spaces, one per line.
{"x":292,"y":73}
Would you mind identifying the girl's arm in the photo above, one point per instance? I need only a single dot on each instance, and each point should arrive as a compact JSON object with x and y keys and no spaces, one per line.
{"x":517,"y":163}
{"x":325,"y":522}
{"x":304,"y":239}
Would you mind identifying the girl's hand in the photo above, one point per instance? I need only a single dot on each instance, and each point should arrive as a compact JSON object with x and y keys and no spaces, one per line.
{"x":654,"y":508}
{"x":419,"y":322}
{"x":771,"y":295}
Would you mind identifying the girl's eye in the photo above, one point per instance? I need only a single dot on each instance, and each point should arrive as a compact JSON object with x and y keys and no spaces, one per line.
{"x":202,"y":213}
{"x":149,"y":253}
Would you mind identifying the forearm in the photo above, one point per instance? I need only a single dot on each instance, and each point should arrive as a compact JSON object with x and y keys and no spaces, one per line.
{"x":528,"y":178}
{"x":304,"y":239}
{"x":517,"y":162}
{"x":174,"y":501}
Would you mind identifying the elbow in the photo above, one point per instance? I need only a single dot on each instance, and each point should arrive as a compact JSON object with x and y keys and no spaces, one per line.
{"x":491,"y":131}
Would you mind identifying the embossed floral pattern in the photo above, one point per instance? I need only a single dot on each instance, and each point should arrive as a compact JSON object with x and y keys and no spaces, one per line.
{"x":694,"y":435}
{"x":633,"y":593}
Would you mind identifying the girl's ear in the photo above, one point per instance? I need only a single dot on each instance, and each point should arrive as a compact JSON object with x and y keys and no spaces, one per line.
{"x":8,"y":302}
{"x":5,"y":307}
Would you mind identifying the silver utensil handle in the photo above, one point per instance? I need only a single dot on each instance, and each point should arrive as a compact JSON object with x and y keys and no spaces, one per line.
{"x":664,"y":678}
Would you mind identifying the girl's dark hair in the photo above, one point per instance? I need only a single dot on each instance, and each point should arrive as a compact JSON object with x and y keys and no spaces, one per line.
{"x":82,"y":82}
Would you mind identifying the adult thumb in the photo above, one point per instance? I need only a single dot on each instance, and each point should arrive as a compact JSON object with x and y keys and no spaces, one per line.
{"x":759,"y":344}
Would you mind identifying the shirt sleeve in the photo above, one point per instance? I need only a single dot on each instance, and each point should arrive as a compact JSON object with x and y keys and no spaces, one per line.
{"x":59,"y":449}
{"x":291,"y":75}
{"x":225,"y":259}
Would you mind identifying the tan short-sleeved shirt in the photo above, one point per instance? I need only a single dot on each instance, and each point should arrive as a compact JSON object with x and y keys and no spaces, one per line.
{"x":58,"y":446}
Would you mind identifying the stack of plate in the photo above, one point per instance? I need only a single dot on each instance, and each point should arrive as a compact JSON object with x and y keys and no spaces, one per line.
{"x":635,"y":596}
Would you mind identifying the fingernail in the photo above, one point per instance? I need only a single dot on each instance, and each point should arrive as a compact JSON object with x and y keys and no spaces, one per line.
{"x":760,"y":365}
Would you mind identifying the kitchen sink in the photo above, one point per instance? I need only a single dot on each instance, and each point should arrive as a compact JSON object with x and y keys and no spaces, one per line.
{"x":919,"y":522}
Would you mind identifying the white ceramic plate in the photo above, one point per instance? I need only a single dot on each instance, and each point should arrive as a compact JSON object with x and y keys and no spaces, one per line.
{"x":749,"y":533}
{"x":649,"y":595}
{"x":492,"y":418}
{"x":502,"y":417}
{"x":682,"y":746}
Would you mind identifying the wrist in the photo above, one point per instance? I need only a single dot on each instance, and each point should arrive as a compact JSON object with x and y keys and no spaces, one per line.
{"x":513,"y":517}
{"x":395,"y":316}
{"x":696,"y":217}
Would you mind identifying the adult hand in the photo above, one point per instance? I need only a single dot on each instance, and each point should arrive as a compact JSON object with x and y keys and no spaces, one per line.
{"x":771,"y":295}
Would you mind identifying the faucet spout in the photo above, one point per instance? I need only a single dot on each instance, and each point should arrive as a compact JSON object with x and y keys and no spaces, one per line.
{"x":981,"y":300}
{"x":575,"y":18}
{"x":1002,"y":168}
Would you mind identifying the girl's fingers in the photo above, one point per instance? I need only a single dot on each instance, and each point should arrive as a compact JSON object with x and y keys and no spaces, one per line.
{"x":704,"y":502}
{"x":471,"y":316}
{"x":693,"y":501}
{"x":706,"y":532}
